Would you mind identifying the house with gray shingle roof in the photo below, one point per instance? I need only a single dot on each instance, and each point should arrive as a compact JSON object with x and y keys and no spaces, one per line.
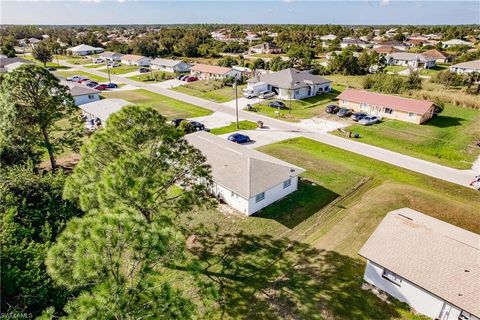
{"x":429,"y":264}
{"x":466,"y":67}
{"x":169,"y":65}
{"x":82,"y":94}
{"x":411,"y":59}
{"x":244,"y":178}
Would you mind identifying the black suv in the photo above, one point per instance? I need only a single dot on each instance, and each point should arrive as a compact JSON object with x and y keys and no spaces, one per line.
{"x":344,"y":112}
{"x":332,"y":108}
{"x":277,"y":104}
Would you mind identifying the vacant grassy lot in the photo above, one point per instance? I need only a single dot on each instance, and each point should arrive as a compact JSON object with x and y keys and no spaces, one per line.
{"x":448,"y":139}
{"x":211,"y":90}
{"x":121,"y":69}
{"x":297,"y":259}
{"x":66,"y":74}
{"x":243,"y":125}
{"x":301,"y":109}
{"x":168,"y":107}
{"x":155,"y":76}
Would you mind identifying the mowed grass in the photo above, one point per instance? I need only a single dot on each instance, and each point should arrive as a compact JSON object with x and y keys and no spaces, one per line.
{"x":300,"y":109}
{"x":155,"y":76}
{"x":210,"y":90}
{"x":232,"y":127}
{"x":167,"y":106}
{"x":448,"y":139}
{"x":299,"y":256}
{"x":95,"y":66}
{"x":433,"y":71}
{"x":395,"y":69}
{"x":123,"y":69}
{"x":66,"y":74}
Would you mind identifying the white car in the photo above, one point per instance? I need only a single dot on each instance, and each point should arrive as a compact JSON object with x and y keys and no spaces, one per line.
{"x":368,"y":120}
{"x":75,"y":78}
{"x":266,"y":94}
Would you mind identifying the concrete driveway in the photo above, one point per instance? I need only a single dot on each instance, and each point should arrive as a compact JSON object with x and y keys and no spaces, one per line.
{"x":242,"y":102}
{"x":168,"y":84}
{"x":216,"y":120}
{"x":262,"y":137}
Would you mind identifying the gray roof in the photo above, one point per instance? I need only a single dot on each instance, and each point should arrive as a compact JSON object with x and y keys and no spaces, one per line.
{"x":475,"y":64}
{"x":78,"y":90}
{"x":290,"y":78}
{"x":109,"y":54}
{"x":409,"y":56}
{"x":244,"y":171}
{"x":436,"y":256}
{"x":165,"y":62}
{"x":102,"y":109}
{"x":7,"y":61}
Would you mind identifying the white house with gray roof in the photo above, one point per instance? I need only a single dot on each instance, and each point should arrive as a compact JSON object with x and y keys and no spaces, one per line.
{"x":293,"y":83}
{"x":169,"y":65}
{"x":466,"y":67}
{"x":410,"y":59}
{"x":245,"y":179}
{"x":83,"y":94}
{"x":429,"y":264}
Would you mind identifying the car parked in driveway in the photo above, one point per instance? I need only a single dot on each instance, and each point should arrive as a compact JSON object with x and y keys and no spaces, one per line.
{"x":91,"y":84}
{"x":176,"y":122}
{"x":197,"y":125}
{"x":179,"y":77}
{"x":277,"y":104}
{"x":184,"y":77}
{"x":191,"y":79}
{"x":51,"y":69}
{"x":332,"y":108}
{"x":75,"y":78}
{"x":344,"y":112}
{"x":238,"y":138}
{"x":357,"y":116}
{"x":101,"y":87}
{"x":143,"y":70}
{"x":112,"y":85}
{"x":266,"y":94}
{"x":368,"y":120}
{"x":113,"y":64}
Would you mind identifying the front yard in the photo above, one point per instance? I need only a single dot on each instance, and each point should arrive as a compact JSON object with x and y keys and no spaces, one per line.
{"x":123,"y":69}
{"x":395,"y":69}
{"x":167,"y":106}
{"x":232,"y":127}
{"x":90,"y":76}
{"x":155,"y":76}
{"x":213,"y":90}
{"x":433,"y":71}
{"x":448,"y":139}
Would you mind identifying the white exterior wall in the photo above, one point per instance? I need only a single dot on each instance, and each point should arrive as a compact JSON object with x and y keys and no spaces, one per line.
{"x":86,"y":98}
{"x":303,"y":93}
{"x":144,"y":62}
{"x":463,"y":70}
{"x":271,"y":195}
{"x":419,"y":299}
{"x":233,"y":200}
{"x":181,"y":67}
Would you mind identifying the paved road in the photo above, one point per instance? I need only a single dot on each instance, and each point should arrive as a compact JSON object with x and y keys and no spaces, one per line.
{"x":460,"y":177}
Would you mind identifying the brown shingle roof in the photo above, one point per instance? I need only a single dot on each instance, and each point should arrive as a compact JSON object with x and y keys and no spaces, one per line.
{"x":132,"y":57}
{"x":435,"y":54}
{"x":437,"y":256}
{"x":207,"y":68}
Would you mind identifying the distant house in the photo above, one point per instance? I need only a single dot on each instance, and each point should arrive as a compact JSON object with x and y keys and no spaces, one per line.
{"x":425,"y":262}
{"x":456,"y":42}
{"x":83,"y":94}
{"x":384,"y":50}
{"x":410,"y":59}
{"x":135,"y":60}
{"x":207,"y":71}
{"x":466,"y":67}
{"x":84,"y":50}
{"x":265,"y":48}
{"x":388,"y":106}
{"x":245,"y":179}
{"x":170,"y":65}
{"x":392,"y":44}
{"x":439,"y":56}
{"x":102,"y":109}
{"x":293,"y":83}
{"x":414,"y":42}
{"x":10,"y":64}
{"x":328,"y":37}
{"x":252,"y":36}
{"x":347,"y":42}
{"x":111,"y":56}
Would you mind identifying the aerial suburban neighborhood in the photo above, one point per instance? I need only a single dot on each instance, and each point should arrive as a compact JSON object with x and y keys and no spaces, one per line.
{"x":230,"y":164}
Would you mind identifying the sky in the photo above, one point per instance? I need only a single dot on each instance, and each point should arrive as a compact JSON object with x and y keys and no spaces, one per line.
{"x":353,"y":12}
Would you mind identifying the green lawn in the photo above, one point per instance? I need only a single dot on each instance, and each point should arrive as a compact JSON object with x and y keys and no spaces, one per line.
{"x":299,"y":257}
{"x":395,"y":69}
{"x":155,"y":76}
{"x":448,"y":139}
{"x":433,"y":71}
{"x":79,"y":61}
{"x":53,"y":63}
{"x":168,"y":107}
{"x":66,"y":74}
{"x":243,"y":125}
{"x":123,"y":69}
{"x":300,"y":109}
{"x":94,"y":66}
{"x":211,"y":90}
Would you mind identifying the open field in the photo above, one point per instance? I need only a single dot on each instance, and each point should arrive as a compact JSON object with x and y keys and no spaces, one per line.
{"x":155,"y":76}
{"x":301,"y":109}
{"x":298,"y":257}
{"x":123,"y":69}
{"x":168,"y":107}
{"x":212,"y":90}
{"x":66,"y":74}
{"x":243,"y":125}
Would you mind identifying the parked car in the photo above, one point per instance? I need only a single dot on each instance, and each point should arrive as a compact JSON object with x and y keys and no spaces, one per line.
{"x":113,"y":64}
{"x":179,"y":76}
{"x":51,"y":69}
{"x":266,"y":94}
{"x":191,"y":79}
{"x":277,"y":104}
{"x":368,"y":120}
{"x":184,"y":77}
{"x":332,"y":108}
{"x":176,"y":122}
{"x":91,"y":84}
{"x":238,"y":138}
{"x":197,"y":125}
{"x":84,"y":80}
{"x":357,"y":116}
{"x":143,"y":70}
{"x":102,"y":87}
{"x":75,"y":78}
{"x":344,"y":112}
{"x":98,"y":60}
{"x":112,"y":85}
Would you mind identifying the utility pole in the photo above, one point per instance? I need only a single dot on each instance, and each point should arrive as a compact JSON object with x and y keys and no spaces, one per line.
{"x":290,"y":97}
{"x":236,"y":100}
{"x":108,"y":71}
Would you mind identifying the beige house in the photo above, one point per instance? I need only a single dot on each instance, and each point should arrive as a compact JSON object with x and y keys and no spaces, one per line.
{"x":135,"y":60}
{"x":207,"y":71}
{"x":382,"y":105}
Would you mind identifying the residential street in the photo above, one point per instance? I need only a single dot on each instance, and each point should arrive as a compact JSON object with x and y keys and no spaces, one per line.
{"x":460,"y":177}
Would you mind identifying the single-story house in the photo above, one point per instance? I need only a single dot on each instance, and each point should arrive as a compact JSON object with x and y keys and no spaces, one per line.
{"x":466,"y":67}
{"x":456,"y":42}
{"x":83,"y":94}
{"x":84,"y":50}
{"x":10,"y":64}
{"x":244,"y":178}
{"x":328,"y":37}
{"x":388,"y":106}
{"x":392,"y":44}
{"x":135,"y":60}
{"x":111,"y":56}
{"x":293,"y":83}
{"x":102,"y":109}
{"x":439,"y":56}
{"x":207,"y":71}
{"x":170,"y":65}
{"x":429,"y":264}
{"x":346,"y":42}
{"x":265,"y":48}
{"x":410,"y":59}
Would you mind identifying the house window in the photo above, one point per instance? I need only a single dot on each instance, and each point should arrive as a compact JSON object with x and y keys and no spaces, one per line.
{"x":412,"y":114}
{"x":287,"y":183}
{"x":392,"y":277}
{"x":465,"y":316}
{"x":91,"y":97}
{"x":259,"y":197}
{"x":388,"y":111}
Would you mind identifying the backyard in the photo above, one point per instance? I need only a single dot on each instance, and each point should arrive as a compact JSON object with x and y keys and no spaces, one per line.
{"x":213,"y":90}
{"x":298,"y":257}
{"x":168,"y":107}
{"x":448,"y":139}
{"x":66,"y":74}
